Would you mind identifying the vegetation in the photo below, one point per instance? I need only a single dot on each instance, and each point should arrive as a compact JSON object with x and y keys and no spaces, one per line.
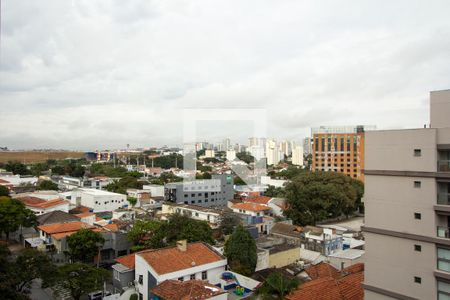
{"x":317,"y":196}
{"x":107,"y":169}
{"x":166,"y":178}
{"x":120,"y":186}
{"x":17,"y":168}
{"x":132,"y":200}
{"x":13,"y":215}
{"x":157,"y":234}
{"x":276,"y":286}
{"x":240,"y":250}
{"x":4,"y":191}
{"x":289,"y":173}
{"x":47,"y":185}
{"x":245,"y":157}
{"x":16,"y":275}
{"x":228,"y":222}
{"x":274,"y":192}
{"x":80,"y":279}
{"x":84,"y":245}
{"x":167,"y":161}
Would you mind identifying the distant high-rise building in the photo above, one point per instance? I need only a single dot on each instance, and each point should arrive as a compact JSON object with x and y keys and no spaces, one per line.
{"x":256,"y":151}
{"x":226,"y":145}
{"x":231,"y":154}
{"x":210,"y":153}
{"x":339,"y":149}
{"x":273,"y":153}
{"x":285,"y":148}
{"x":297,"y":156}
{"x":407,"y":207}
{"x":307,"y":146}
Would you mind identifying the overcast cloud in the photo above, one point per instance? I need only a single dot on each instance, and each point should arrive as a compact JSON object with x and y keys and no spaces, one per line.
{"x":87,"y":74}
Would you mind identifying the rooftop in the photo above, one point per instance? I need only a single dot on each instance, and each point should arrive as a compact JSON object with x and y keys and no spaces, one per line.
{"x":186,"y":290}
{"x":63,"y":227}
{"x":56,"y":216}
{"x":251,"y":206}
{"x":172,"y":259}
{"x":259,"y":199}
{"x":41,"y":203}
{"x":286,"y":229}
{"x":127,"y":260}
{"x":96,"y":192}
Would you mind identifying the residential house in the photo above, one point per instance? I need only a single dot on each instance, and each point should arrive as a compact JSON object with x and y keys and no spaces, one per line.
{"x":40,"y":206}
{"x":255,"y":214}
{"x":154,"y":189}
{"x":123,"y":272}
{"x":191,"y":289}
{"x":210,"y":215}
{"x":181,"y":262}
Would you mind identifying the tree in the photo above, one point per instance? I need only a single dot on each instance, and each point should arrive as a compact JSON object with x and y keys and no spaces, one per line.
{"x":81,"y":279}
{"x":277,"y":286}
{"x":132,"y":200}
{"x":240,"y":250}
{"x":14,"y":214}
{"x":143,"y":231}
{"x":16,"y":275}
{"x":181,"y":227}
{"x":273,"y":191}
{"x":228,"y":223}
{"x":47,"y":185}
{"x":317,"y":196}
{"x":84,"y":245}
{"x":359,"y":187}
{"x":245,"y":157}
{"x":4,"y":191}
{"x":121,"y":186}
{"x":17,"y":168}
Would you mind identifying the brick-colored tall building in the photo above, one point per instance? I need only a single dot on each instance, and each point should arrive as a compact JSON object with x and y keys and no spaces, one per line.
{"x":339,"y":149}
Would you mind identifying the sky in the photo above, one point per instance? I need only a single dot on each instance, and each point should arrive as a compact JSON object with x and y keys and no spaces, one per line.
{"x":87,"y":74}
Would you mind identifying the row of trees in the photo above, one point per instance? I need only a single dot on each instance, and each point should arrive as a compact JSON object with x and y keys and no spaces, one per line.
{"x":317,"y":196}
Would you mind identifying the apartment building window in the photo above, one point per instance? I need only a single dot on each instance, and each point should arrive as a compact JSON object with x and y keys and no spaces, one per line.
{"x":418,"y":248}
{"x":323,"y":144}
{"x":417,"y":216}
{"x":204,"y":275}
{"x":141,"y":297}
{"x":417,"y":184}
{"x":186,"y":202}
{"x":443,"y":262}
{"x":342,"y":143}
{"x":417,"y":279}
{"x":417,"y":152}
{"x":443,"y":290}
{"x":141,"y":279}
{"x":329,"y":144}
{"x":180,"y":278}
{"x":192,"y":276}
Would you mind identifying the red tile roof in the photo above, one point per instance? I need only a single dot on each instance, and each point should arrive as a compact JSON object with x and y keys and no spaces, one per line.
{"x":84,"y":215}
{"x":186,"y":290}
{"x":251,"y":206}
{"x":63,"y":227}
{"x":31,"y":201}
{"x":171,"y":259}
{"x":127,"y":260}
{"x":52,"y":203}
{"x":346,"y":286}
{"x":4,"y":181}
{"x":41,"y":203}
{"x":259,"y":199}
{"x":322,"y":270}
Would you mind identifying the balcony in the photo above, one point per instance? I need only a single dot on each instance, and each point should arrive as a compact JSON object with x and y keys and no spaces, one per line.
{"x":443,"y":198}
{"x":443,"y":166}
{"x":443,"y":232}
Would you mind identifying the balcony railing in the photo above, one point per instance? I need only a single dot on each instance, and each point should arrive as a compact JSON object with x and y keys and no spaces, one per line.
{"x":443,"y":165}
{"x":443,"y":232}
{"x":443,"y":198}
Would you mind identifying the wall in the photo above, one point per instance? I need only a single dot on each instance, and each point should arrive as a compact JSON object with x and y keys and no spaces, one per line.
{"x":439,"y":108}
{"x":284,"y":258}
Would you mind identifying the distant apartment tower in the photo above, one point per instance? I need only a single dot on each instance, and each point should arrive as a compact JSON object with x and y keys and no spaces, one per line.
{"x":209,"y":192}
{"x":307,"y":148}
{"x":297,"y":156}
{"x":407,"y":202}
{"x":273,"y":153}
{"x":339,"y":149}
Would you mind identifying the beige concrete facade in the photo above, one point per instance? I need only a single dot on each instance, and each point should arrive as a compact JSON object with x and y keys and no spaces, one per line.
{"x":407,"y":202}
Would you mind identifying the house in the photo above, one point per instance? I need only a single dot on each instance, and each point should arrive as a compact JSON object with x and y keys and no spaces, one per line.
{"x":154,"y":172}
{"x":186,"y":290}
{"x":18,"y":180}
{"x":346,"y":258}
{"x":45,"y":195}
{"x":123,"y":272}
{"x":154,"y":189}
{"x":329,"y":283}
{"x":97,"y":200}
{"x":181,"y":262}
{"x":56,"y":216}
{"x":274,"y":252}
{"x":40,"y":206}
{"x":210,"y":215}
{"x":252,"y":209}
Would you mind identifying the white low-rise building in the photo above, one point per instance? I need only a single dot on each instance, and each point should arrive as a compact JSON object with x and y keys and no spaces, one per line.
{"x":210,"y":215}
{"x":40,"y":206}
{"x":182,"y":262}
{"x":97,"y":200}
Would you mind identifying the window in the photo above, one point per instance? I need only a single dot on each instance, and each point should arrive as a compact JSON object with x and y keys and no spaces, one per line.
{"x":181,"y":278}
{"x":185,"y":195}
{"x":417,"y":184}
{"x":116,"y":275}
{"x":417,"y":279}
{"x":192,"y":195}
{"x":443,"y":290}
{"x":417,"y":152}
{"x":418,"y":248}
{"x":417,"y":216}
{"x":443,"y":262}
{"x":193,"y":277}
{"x":141,"y":279}
{"x":141,"y":297}
{"x":204,"y":275}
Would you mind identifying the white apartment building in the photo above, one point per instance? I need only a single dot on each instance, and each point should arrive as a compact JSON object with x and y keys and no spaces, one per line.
{"x":209,"y":153}
{"x":407,"y":203}
{"x":187,"y":262}
{"x":297,"y":156}
{"x":231,"y":155}
{"x":210,"y":215}
{"x":273,"y":153}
